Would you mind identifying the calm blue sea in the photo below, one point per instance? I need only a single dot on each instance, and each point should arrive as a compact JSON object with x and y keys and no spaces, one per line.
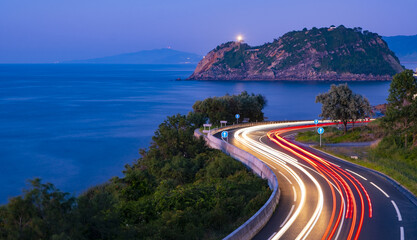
{"x":78,"y":125}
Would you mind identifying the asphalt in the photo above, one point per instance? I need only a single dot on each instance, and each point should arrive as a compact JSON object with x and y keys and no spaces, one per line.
{"x":394,"y":216}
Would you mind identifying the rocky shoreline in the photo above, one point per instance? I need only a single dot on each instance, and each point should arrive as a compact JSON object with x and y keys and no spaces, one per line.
{"x":286,"y":77}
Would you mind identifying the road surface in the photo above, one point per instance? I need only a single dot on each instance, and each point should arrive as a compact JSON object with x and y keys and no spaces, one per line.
{"x":323,"y":197}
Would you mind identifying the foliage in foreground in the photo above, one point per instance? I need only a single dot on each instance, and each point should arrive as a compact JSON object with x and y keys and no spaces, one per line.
{"x":178,"y":189}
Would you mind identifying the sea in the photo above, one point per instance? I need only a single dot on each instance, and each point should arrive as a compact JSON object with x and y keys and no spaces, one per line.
{"x":77,"y":126}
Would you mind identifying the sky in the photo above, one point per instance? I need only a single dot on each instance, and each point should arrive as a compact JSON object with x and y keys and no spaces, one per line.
{"x":46,"y":31}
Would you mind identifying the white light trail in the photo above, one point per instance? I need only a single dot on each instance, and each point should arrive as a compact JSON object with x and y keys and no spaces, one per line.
{"x":279,"y":158}
{"x":295,"y":194}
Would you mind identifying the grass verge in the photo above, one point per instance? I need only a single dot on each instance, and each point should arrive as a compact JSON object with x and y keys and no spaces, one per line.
{"x":366,"y":133}
{"x":388,"y":158}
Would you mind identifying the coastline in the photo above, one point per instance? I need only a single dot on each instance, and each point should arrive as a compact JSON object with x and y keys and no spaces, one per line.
{"x":294,"y":78}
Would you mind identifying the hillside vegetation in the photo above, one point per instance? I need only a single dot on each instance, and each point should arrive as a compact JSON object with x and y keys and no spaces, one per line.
{"x":178,"y":189}
{"x":316,"y":54}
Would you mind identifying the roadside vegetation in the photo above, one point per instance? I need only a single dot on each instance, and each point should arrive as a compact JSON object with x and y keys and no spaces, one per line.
{"x":388,"y":157}
{"x":334,"y":134}
{"x":225,"y":108}
{"x":178,"y":189}
{"x":396,"y":152}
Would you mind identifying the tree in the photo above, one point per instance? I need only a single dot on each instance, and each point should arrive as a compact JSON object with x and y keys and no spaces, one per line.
{"x":224,"y":108}
{"x":413,"y":117}
{"x":359,"y":107}
{"x":43,"y":212}
{"x":401,"y":104}
{"x":175,"y":136}
{"x":97,"y":214}
{"x":341,"y":104}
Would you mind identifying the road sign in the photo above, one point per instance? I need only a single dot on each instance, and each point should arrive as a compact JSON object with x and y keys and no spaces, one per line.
{"x":316,"y":121}
{"x":223,"y":123}
{"x":237,"y":116}
{"x":225,"y":134}
{"x":320,"y":131}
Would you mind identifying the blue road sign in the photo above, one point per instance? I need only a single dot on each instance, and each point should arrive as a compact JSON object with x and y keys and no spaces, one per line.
{"x":237,"y":116}
{"x":320,"y":130}
{"x":316,"y":121}
{"x":225,"y":134}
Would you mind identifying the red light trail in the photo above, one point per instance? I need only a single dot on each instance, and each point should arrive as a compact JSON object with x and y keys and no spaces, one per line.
{"x":343,"y":180}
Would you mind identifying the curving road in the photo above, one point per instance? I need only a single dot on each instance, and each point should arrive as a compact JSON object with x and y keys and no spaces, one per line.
{"x":323,"y":197}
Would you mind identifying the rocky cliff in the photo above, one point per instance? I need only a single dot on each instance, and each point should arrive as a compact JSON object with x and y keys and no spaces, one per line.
{"x":338,"y":54}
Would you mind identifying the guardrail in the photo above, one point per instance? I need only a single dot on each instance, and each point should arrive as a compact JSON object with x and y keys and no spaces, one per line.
{"x":250,"y":124}
{"x":252,"y":226}
{"x":240,"y":125}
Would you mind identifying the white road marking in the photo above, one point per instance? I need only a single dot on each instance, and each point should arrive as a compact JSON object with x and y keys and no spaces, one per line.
{"x":357,"y":174}
{"x":401,"y":233}
{"x":285,"y":177}
{"x":272,"y":236}
{"x":380,"y":189}
{"x":283,"y":223}
{"x":295,"y":194}
{"x":397,"y":210}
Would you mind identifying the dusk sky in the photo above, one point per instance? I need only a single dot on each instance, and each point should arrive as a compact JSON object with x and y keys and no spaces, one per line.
{"x":37,"y":31}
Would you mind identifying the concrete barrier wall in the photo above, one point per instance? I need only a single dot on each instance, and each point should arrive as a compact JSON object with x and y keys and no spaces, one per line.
{"x":240,"y":125}
{"x":252,"y":226}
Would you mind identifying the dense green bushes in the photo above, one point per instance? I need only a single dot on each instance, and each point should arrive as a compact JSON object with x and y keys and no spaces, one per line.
{"x":217,"y":109}
{"x":178,"y":189}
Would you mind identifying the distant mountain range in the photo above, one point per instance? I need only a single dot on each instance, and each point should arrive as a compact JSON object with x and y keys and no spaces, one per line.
{"x":405,"y":47}
{"x":156,"y":56}
{"x":335,"y":53}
